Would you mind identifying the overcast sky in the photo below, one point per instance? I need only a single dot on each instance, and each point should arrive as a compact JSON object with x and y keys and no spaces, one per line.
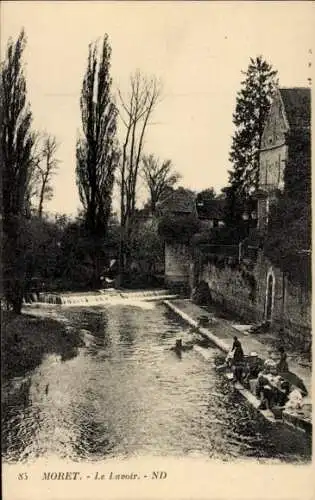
{"x":198,"y":49}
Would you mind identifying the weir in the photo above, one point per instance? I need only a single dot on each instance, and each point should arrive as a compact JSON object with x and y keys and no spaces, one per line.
{"x":106,"y":296}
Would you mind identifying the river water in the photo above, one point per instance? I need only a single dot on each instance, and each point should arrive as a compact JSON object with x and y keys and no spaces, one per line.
{"x":126,"y":393}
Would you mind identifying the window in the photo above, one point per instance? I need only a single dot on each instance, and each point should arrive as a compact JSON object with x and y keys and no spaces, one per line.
{"x":267,"y":211}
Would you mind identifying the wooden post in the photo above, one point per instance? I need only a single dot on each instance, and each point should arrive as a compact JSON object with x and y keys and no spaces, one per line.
{"x":239,"y":252}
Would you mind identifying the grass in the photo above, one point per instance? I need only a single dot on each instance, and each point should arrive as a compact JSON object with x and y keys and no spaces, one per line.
{"x":26,"y":339}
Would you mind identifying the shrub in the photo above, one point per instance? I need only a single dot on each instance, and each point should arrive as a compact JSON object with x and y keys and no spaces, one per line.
{"x":178,"y":227}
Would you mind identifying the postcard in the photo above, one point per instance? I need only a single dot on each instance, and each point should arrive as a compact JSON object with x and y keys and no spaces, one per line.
{"x":156,"y":270}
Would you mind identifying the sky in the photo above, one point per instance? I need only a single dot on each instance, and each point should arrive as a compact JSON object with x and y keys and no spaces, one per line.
{"x":197,"y":49}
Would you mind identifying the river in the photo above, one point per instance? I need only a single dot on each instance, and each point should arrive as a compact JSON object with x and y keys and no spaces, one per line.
{"x":126,"y":393}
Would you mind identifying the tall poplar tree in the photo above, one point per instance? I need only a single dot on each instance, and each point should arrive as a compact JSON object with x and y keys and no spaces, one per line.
{"x":252,"y":106}
{"x":17,"y":146}
{"x":97,"y":150}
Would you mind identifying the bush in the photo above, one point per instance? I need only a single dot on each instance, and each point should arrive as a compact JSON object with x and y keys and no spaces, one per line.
{"x":178,"y":227}
{"x":201,"y":294}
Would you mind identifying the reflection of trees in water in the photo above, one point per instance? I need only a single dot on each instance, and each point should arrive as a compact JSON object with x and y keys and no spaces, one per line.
{"x":69,"y":353}
{"x":126,"y":335}
{"x":95,"y":437}
{"x":109,"y":327}
{"x":95,"y":440}
{"x":94,"y":321}
{"x":126,"y":326}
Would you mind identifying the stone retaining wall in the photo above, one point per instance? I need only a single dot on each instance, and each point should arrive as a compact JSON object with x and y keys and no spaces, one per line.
{"x":242,"y":289}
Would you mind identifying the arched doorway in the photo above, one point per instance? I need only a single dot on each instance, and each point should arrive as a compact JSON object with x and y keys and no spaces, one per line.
{"x":270,"y":288}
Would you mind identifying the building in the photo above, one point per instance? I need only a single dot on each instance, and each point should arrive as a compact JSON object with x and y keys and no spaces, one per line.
{"x":254,"y":287}
{"x":286,"y":137}
{"x":180,"y":202}
{"x":286,"y":130}
{"x":211,"y":212}
{"x":178,"y":206}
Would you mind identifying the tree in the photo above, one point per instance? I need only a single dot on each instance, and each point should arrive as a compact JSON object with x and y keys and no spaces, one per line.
{"x":289,"y":234}
{"x":180,"y":228}
{"x":97,"y":150}
{"x":208,"y":194}
{"x":136,"y":111}
{"x":75,"y":263}
{"x":43,"y":251}
{"x":289,"y":237}
{"x":158,"y":178}
{"x":252,"y":106}
{"x":17,"y":145}
{"x":147,"y":249}
{"x":45,"y":168}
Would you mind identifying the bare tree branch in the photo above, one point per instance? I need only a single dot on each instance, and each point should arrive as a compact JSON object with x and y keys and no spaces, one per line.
{"x":159,"y":178}
{"x":136,"y":110}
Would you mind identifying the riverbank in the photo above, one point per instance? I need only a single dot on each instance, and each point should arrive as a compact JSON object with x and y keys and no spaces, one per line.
{"x":26,"y":339}
{"x":221,"y":333}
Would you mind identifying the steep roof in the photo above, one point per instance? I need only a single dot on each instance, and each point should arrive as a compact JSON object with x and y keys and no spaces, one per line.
{"x":180,"y":201}
{"x":297,"y":104}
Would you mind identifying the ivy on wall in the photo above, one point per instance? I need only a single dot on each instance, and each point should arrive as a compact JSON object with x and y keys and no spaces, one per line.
{"x":289,"y":234}
{"x":289,"y":239}
{"x":245,"y":270}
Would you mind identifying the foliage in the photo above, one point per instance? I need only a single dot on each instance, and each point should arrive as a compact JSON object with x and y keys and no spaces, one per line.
{"x":75,"y":266}
{"x":207,"y":194}
{"x":219,"y":236}
{"x":17,"y":147}
{"x":42,"y":250}
{"x":97,"y":149}
{"x":158,"y":178}
{"x":289,"y":236}
{"x":252,"y":106}
{"x":298,"y":171}
{"x":147,"y":249}
{"x":179,"y":228}
{"x":57,"y":253}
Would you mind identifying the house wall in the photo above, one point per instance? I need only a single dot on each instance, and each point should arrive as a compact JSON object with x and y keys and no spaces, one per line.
{"x":272,"y":159}
{"x":271,"y":167}
{"x":177,"y":263}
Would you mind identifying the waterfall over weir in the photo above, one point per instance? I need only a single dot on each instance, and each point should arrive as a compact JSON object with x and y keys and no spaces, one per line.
{"x":107,"y":296}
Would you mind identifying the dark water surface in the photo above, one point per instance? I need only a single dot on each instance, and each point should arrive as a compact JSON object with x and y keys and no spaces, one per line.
{"x":127,"y":394}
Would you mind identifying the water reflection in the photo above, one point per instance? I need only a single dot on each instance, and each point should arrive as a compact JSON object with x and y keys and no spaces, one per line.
{"x":125,"y":393}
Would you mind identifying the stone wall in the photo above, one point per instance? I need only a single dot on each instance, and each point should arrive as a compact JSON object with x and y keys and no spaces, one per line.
{"x":242,"y":289}
{"x":177,"y":263}
{"x":229,"y":288}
